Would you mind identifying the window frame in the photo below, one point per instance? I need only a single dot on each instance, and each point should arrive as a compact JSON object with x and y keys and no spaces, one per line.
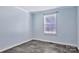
{"x":45,"y":23}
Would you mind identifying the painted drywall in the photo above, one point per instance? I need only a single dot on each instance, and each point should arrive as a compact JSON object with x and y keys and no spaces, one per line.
{"x":14,"y":26}
{"x":38,"y":8}
{"x":78,"y":26}
{"x":66,"y":26}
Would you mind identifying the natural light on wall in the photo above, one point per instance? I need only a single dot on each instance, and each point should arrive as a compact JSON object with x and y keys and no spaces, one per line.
{"x":50,"y":24}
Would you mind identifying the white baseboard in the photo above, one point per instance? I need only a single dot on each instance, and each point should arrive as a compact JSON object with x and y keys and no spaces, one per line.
{"x":14,"y":45}
{"x":36,"y":39}
{"x":55,"y":42}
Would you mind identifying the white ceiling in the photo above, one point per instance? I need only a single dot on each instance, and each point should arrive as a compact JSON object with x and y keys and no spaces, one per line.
{"x":37,"y":8}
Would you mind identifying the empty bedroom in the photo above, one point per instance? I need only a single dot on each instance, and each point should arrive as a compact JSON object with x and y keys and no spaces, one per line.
{"x":39,"y":29}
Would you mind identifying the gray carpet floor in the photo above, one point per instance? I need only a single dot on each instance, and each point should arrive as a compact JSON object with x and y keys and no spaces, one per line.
{"x":36,"y":46}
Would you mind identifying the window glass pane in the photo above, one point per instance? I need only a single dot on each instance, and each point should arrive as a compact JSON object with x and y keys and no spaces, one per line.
{"x":50,"y":27}
{"x":50,"y":20}
{"x":50,"y":24}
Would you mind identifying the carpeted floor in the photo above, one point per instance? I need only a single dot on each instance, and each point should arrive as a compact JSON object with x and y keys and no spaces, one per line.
{"x":36,"y":46}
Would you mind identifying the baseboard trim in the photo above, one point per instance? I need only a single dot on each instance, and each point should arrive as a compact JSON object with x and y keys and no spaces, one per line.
{"x":36,"y":39}
{"x":55,"y":42}
{"x":14,"y":45}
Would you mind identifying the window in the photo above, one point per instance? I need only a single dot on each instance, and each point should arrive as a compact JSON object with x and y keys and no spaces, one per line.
{"x":50,"y":24}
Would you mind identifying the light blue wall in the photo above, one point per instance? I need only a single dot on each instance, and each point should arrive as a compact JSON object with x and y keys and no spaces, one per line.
{"x":14,"y":26}
{"x":78,"y":26}
{"x":66,"y":25}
